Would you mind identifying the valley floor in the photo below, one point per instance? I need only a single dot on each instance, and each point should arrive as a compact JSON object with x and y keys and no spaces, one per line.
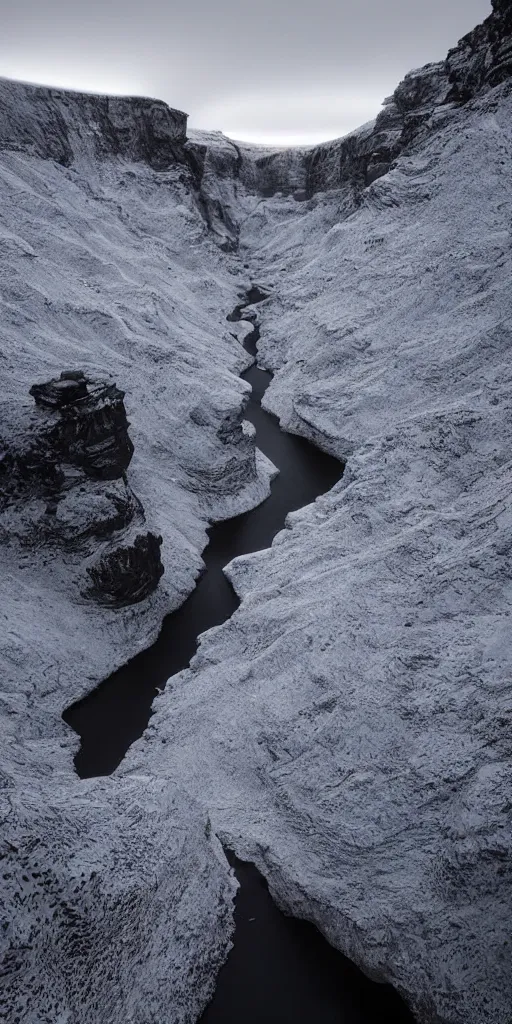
{"x":347,"y":730}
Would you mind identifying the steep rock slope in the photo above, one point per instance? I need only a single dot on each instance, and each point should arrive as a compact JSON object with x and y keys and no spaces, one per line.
{"x":104,"y":271}
{"x":349,"y":728}
{"x":116,"y":903}
{"x":65,"y":126}
{"x":107,"y":273}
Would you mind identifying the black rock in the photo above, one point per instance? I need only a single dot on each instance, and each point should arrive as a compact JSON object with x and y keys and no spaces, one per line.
{"x":482,"y":58}
{"x":57,"y":393}
{"x":129,"y":573}
{"x":72,"y":375}
{"x":92,"y":430}
{"x":63,"y":484}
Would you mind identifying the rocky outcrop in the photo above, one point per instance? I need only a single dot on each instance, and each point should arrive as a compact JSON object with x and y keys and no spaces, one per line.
{"x":267,"y":171}
{"x":227,"y":172}
{"x":63,"y":483}
{"x":58,"y":125}
{"x":216,"y":161}
{"x":483,"y":58}
{"x":362,"y":157}
{"x":350,"y":161}
{"x":238,"y":466}
{"x":129,"y":573}
{"x":91,"y":431}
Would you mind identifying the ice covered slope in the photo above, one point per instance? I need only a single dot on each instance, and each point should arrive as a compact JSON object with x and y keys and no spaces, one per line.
{"x":106,"y":267}
{"x":113,"y":894}
{"x":349,"y":728}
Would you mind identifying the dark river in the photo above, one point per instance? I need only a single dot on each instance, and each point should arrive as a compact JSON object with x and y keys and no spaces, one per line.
{"x":280,"y":970}
{"x":117,"y":712}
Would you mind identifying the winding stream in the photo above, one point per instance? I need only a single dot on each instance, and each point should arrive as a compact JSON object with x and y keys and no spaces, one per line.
{"x":117,"y":712}
{"x":280,"y":970}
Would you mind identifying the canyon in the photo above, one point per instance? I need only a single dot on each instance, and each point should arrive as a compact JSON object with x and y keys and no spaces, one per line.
{"x":347,"y":728}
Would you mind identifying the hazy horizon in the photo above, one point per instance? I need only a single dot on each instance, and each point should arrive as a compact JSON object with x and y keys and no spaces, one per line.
{"x":275,"y":76}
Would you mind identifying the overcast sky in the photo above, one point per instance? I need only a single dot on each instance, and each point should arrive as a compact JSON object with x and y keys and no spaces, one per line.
{"x":278,"y":71}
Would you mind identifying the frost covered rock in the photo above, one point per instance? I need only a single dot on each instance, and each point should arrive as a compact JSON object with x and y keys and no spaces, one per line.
{"x":63,"y":126}
{"x":116,"y":911}
{"x":483,"y":58}
{"x":144,"y":303}
{"x":349,"y":728}
{"x":216,"y":167}
{"x":48,"y":495}
{"x":106,"y":264}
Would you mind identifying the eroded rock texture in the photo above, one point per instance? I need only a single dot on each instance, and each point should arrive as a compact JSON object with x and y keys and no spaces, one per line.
{"x":349,"y":728}
{"x":105,"y":884}
{"x":128,"y":574}
{"x":63,"y":484}
{"x":91,"y":432}
{"x":106,"y":265}
{"x":482,"y":59}
{"x":217,"y":169}
{"x":237,"y":465}
{"x":63,"y":126}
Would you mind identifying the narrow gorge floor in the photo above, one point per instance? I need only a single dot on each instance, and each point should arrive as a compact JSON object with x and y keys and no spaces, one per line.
{"x":280,"y":970}
{"x":117,"y":712}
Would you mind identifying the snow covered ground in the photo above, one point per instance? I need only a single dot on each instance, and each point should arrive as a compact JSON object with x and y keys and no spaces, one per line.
{"x":105,"y":265}
{"x":348,"y":729}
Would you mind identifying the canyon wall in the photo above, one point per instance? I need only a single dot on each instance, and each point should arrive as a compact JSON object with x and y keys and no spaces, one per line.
{"x":122,"y":437}
{"x":348,"y":729}
{"x":360,"y":696}
{"x":55,"y":124}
